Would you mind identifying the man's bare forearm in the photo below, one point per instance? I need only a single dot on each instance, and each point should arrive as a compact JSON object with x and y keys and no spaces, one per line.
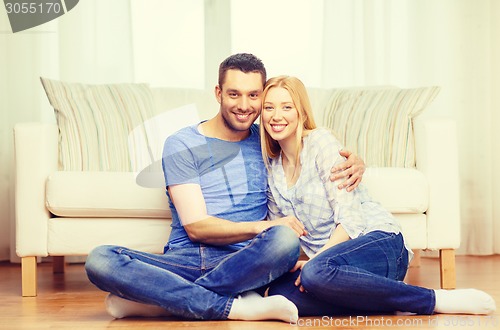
{"x":216,"y":231}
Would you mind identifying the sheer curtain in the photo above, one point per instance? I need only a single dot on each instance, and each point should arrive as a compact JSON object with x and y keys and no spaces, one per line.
{"x":23,"y":58}
{"x":84,"y":45}
{"x":168,"y":42}
{"x":453,"y":44}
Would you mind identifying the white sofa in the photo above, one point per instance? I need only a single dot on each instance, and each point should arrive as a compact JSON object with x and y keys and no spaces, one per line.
{"x":66,"y":213}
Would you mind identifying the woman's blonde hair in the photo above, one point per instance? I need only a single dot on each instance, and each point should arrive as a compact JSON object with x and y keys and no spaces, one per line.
{"x":270,"y":147}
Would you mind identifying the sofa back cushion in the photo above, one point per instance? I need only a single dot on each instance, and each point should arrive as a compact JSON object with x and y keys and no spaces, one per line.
{"x":95,"y":121}
{"x":377,"y":124}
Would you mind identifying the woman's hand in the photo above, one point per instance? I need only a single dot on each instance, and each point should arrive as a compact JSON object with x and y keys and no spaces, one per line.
{"x":352,"y":169}
{"x":298,"y":266}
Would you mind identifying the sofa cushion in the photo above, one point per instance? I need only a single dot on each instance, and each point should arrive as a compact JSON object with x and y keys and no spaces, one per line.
{"x":116,"y":194}
{"x":95,"y":121}
{"x":377,"y":123}
{"x":103,"y":194}
{"x":399,"y":190}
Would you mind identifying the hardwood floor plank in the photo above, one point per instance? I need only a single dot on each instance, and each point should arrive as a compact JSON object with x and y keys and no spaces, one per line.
{"x":69,"y":301}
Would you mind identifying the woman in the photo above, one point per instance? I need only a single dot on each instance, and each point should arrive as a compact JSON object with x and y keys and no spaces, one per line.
{"x":357,"y":254}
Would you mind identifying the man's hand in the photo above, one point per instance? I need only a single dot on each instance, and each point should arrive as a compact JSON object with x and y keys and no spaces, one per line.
{"x":352,"y":169}
{"x":290,"y":221}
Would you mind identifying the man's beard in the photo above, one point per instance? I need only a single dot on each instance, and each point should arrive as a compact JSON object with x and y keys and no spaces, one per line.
{"x":228,"y":123}
{"x":232,"y":127}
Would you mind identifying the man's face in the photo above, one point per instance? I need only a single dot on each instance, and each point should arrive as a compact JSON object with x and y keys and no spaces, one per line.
{"x":239,"y":99}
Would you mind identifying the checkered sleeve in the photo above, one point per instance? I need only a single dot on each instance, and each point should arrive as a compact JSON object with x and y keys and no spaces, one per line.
{"x":346,"y":205}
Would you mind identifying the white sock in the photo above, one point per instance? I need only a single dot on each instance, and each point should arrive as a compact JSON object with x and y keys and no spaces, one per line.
{"x":464,"y":301}
{"x":120,"y":308}
{"x":248,"y":294}
{"x":251,"y":306}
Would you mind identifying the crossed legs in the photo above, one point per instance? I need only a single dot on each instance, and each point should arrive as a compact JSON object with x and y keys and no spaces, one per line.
{"x":165,"y":280}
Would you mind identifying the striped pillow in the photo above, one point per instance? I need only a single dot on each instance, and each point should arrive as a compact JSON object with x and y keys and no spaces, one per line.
{"x":95,"y":121}
{"x":377,"y":123}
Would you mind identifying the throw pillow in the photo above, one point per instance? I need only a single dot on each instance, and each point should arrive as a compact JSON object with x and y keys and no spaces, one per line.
{"x":95,"y":121}
{"x":377,"y":124}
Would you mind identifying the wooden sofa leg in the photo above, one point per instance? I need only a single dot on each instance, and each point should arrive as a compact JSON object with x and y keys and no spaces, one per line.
{"x":28,"y":275}
{"x":58,"y":264}
{"x":447,"y":268}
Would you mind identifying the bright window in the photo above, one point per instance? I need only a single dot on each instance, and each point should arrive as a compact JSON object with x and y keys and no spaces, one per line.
{"x":286,"y":34}
{"x":168,"y":42}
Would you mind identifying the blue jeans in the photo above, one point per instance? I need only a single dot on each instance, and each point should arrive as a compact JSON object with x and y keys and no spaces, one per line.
{"x":198,"y":282}
{"x":357,"y":277}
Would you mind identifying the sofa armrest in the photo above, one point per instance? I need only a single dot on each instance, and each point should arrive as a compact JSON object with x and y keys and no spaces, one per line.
{"x":437,"y":157}
{"x":36,"y":155}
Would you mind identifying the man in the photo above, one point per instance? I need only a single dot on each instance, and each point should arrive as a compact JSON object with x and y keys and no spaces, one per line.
{"x":221,"y":247}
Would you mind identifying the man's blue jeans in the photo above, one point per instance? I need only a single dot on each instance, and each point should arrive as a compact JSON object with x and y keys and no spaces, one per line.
{"x":198,"y":282}
{"x":358,"y":277}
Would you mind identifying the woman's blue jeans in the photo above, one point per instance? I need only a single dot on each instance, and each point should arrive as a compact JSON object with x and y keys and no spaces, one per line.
{"x":358,"y":277}
{"x":198,"y":282}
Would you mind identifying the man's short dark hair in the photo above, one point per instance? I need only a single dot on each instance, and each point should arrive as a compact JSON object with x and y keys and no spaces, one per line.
{"x":243,"y":62}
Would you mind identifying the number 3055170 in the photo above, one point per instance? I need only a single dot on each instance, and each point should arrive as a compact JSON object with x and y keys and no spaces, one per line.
{"x":33,"y":7}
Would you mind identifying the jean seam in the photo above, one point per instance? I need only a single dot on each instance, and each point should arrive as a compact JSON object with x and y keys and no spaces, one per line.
{"x":146,"y":256}
{"x":227,"y":308}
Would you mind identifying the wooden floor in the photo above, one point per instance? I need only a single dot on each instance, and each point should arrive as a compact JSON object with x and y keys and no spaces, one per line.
{"x":69,"y":301}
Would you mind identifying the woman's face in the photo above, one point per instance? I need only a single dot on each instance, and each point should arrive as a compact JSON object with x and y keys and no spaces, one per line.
{"x":279,"y":115}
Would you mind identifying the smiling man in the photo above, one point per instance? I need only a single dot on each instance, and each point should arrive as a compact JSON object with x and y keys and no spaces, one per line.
{"x":221,"y":247}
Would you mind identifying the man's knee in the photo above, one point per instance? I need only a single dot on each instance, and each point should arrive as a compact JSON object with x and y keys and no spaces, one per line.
{"x":98,"y":260}
{"x":285,"y":241}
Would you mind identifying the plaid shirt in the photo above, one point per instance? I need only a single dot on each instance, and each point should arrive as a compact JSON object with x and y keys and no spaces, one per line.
{"x":317,"y":202}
